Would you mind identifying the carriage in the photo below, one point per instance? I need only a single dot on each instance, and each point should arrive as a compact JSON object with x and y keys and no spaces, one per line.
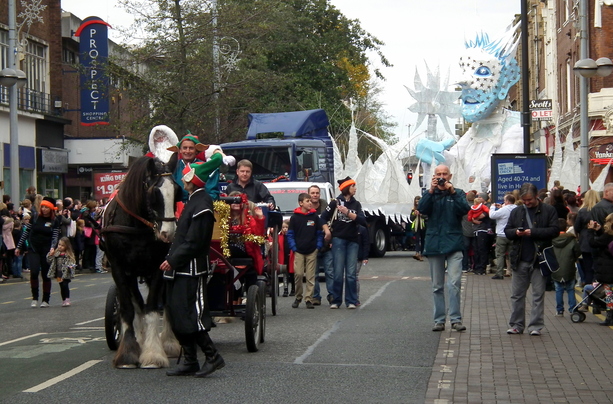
{"x":225,"y":272}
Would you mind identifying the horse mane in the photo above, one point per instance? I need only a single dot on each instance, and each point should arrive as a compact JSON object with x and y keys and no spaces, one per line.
{"x":133,"y":190}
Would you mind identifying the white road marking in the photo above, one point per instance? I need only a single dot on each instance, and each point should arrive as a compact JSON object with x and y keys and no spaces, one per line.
{"x":87,"y":328}
{"x":61,"y":377}
{"x":22,"y":338}
{"x":90,"y":321}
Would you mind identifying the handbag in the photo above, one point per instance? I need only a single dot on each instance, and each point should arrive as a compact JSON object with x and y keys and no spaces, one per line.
{"x":71,"y":229}
{"x":547,"y":260}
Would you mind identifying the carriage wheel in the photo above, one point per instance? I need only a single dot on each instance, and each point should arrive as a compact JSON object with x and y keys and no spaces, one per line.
{"x":262,"y":293}
{"x":112,"y":320}
{"x":577,"y":317}
{"x":253,"y":313}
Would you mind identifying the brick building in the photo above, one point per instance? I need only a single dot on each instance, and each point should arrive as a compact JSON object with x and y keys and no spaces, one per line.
{"x":58,"y":155}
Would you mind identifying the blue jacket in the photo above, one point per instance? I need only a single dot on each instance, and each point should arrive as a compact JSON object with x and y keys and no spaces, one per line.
{"x":444,"y":230}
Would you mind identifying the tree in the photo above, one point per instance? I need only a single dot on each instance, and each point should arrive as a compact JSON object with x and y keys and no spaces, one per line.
{"x":295,"y":55}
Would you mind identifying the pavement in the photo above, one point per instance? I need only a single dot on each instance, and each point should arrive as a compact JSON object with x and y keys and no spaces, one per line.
{"x":568,"y":363}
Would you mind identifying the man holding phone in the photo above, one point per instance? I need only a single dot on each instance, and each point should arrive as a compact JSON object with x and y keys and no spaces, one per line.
{"x":530,"y":228}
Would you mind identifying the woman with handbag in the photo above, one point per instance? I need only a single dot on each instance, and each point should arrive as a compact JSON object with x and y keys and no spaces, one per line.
{"x":345,"y":245}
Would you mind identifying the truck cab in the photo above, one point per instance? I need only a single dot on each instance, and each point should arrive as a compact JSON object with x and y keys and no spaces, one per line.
{"x":293,"y":146}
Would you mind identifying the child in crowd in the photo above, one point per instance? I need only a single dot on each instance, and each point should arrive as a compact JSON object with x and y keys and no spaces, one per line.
{"x":61,"y":267}
{"x":305,"y":237}
{"x":364,"y":248}
{"x":567,"y":251}
{"x":479,"y":210}
{"x":285,"y":260}
{"x":17,"y":260}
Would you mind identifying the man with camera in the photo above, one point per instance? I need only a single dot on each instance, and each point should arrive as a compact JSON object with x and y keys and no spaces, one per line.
{"x":530,"y":228}
{"x":445,"y":206}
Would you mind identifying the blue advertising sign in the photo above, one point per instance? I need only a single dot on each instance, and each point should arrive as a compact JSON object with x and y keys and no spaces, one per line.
{"x":94,"y":53}
{"x":511,"y":171}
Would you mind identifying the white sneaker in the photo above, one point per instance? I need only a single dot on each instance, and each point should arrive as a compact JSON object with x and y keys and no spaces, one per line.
{"x":44,"y":304}
{"x":334,"y":306}
{"x":34,"y":304}
{"x":351,"y":307}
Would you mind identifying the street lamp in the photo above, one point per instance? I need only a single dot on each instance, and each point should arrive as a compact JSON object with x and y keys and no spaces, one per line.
{"x":586,"y":68}
{"x":13,"y":79}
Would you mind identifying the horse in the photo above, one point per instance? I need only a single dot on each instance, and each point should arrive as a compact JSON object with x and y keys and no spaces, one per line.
{"x":137,"y":228}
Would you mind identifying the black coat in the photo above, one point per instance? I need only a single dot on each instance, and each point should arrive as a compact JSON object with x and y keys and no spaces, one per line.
{"x":189,"y":252}
{"x":603,"y":264}
{"x":544,"y":229}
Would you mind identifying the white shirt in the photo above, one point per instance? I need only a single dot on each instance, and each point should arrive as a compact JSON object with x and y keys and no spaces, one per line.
{"x":501,"y":216}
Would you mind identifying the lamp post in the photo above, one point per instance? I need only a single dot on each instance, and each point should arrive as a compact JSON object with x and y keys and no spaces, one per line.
{"x":13,"y":79}
{"x":586,"y":68}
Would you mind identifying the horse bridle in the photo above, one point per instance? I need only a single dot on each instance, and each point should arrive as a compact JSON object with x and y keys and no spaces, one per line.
{"x":151,"y":225}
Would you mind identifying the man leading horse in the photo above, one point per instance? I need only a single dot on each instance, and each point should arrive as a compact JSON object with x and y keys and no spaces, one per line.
{"x":185,"y":270}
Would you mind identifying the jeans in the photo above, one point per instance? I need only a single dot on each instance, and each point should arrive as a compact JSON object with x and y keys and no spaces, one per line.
{"x":17,"y":263}
{"x":328,"y":264}
{"x":569,"y":288}
{"x":467,"y":263}
{"x":454,"y":277}
{"x":345,"y":255}
{"x":322,"y":262}
{"x":524,"y":276}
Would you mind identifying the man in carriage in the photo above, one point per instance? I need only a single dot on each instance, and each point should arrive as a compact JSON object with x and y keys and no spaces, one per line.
{"x":185,"y":269}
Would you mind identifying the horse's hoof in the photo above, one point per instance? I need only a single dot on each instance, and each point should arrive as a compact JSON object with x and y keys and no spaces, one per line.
{"x":126,"y":366}
{"x":150,"y":366}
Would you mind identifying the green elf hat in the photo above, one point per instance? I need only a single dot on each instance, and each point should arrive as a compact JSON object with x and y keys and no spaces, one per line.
{"x":198,"y":173}
{"x":199,"y":146}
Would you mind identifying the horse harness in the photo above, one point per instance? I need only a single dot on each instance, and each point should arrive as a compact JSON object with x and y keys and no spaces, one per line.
{"x":151,"y":226}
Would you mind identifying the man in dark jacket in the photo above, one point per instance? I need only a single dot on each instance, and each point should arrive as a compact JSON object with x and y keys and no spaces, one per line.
{"x":185,"y":270}
{"x":605,"y":206}
{"x":530,"y":228}
{"x":445,"y":206}
{"x":245,"y":184}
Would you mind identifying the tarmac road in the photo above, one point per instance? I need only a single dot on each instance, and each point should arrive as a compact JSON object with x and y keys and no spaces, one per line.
{"x":382,"y":352}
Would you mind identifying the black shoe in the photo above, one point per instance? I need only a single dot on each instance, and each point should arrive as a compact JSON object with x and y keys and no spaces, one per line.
{"x":285,"y":294}
{"x":210,"y":366}
{"x":184,"y":369}
{"x":309,"y":305}
{"x":296,"y":304}
{"x":316,"y":302}
{"x":497,"y":277}
{"x":292,"y":293}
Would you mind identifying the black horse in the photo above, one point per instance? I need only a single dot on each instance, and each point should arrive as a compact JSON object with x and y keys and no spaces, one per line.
{"x":138,"y":227}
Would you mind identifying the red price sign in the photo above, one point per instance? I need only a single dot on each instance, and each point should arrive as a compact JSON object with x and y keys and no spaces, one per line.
{"x":105,"y":183}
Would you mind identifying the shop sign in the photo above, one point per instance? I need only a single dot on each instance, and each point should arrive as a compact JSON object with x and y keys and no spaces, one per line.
{"x":105,"y":183}
{"x":54,"y":161}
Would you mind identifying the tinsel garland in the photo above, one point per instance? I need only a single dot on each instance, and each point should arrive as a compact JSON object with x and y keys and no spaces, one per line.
{"x":223,"y":211}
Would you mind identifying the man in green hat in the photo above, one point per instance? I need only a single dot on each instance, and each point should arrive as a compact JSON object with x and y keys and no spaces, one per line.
{"x":186,"y":268}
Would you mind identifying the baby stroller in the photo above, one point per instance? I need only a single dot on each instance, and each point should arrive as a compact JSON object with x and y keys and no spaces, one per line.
{"x":595,"y":298}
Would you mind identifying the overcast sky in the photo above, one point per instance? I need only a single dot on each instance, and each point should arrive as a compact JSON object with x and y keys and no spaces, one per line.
{"x":414,"y":31}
